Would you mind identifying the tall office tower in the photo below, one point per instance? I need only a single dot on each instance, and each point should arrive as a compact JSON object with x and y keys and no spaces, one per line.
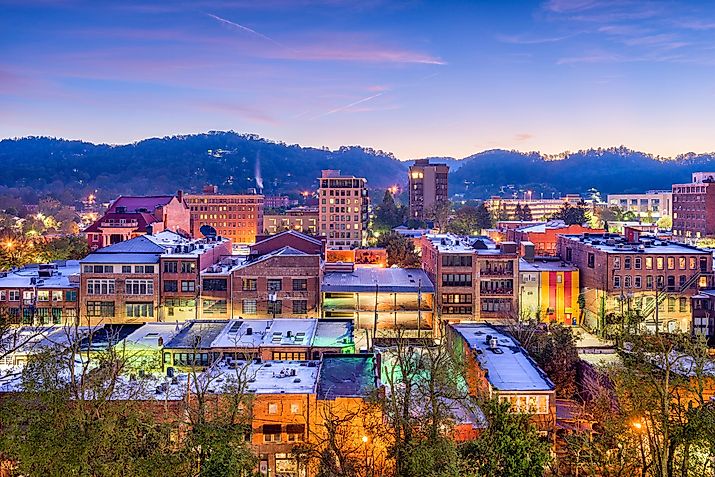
{"x":428,"y":186}
{"x":343,"y":210}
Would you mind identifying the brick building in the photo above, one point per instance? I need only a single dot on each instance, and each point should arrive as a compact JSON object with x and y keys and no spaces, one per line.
{"x":284,"y":282}
{"x":428,"y":184}
{"x":131,"y":216}
{"x":543,"y":235}
{"x":343,"y":215}
{"x":694,"y":208}
{"x":474,"y":279}
{"x":654,"y":276}
{"x":496,"y":365}
{"x":148,"y":278}
{"x":41,"y":294}
{"x":300,"y":219}
{"x":304,"y":243}
{"x":239,"y":217}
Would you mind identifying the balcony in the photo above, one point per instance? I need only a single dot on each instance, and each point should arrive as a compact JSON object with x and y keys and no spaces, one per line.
{"x":496,"y":292}
{"x":496,"y":272}
{"x":120,"y":225}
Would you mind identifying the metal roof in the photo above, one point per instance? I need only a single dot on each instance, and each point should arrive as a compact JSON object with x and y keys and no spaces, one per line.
{"x":362,"y":279}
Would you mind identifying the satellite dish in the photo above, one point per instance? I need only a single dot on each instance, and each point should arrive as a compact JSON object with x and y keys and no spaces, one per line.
{"x":207,"y":231}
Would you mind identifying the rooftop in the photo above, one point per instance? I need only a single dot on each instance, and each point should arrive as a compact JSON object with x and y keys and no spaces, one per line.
{"x":269,"y":377}
{"x":149,"y":334}
{"x":508,"y":367}
{"x":54,"y":275}
{"x":450,"y":243}
{"x":197,"y":334}
{"x":346,"y":375}
{"x":140,"y":203}
{"x":405,"y":280}
{"x":614,"y":243}
{"x":539,"y":265}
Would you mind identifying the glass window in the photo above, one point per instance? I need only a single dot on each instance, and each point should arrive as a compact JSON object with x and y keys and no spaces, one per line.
{"x":171,"y":267}
{"x":250,"y":284}
{"x":215,"y":284}
{"x":649,"y":263}
{"x":57,"y":295}
{"x":188,"y":267}
{"x":275,"y":284}
{"x":300,"y":307}
{"x":627,"y":263}
{"x":637,"y":263}
{"x":616,"y":281}
{"x":171,"y":285}
{"x":659,"y":263}
{"x":300,"y":284}
{"x":275,"y":307}
{"x":249,"y":307}
{"x":616,"y":263}
{"x":126,"y":269}
{"x":188,"y":285}
{"x":671,"y":263}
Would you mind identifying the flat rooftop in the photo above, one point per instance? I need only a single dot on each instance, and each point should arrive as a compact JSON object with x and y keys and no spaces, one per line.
{"x":614,"y":243}
{"x":479,"y":245}
{"x":197,"y":334}
{"x":62,"y":272}
{"x":545,"y":266}
{"x":268,"y":377}
{"x":148,"y":335}
{"x":509,"y":368}
{"x":346,"y":375}
{"x":363,"y":279}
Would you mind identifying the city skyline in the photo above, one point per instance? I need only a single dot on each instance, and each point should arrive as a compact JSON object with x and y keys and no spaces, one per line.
{"x":413,"y":78}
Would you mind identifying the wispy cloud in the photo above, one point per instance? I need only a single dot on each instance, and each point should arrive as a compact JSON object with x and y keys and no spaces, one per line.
{"x":521,"y":137}
{"x":524,"y":40}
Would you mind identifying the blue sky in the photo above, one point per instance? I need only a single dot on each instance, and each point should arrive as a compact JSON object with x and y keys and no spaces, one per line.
{"x":416,"y":78}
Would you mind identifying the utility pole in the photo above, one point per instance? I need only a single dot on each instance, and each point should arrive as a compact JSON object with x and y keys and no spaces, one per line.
{"x":374,"y":325}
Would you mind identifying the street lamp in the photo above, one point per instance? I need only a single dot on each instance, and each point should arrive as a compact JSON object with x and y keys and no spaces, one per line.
{"x":367,"y":463}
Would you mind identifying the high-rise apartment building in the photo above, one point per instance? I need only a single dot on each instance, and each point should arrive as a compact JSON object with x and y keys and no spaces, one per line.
{"x":343,"y":210}
{"x":238,"y":217}
{"x":694,"y":208}
{"x":428,"y":186}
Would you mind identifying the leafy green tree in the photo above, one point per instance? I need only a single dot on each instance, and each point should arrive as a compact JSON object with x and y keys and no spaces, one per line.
{"x":465,"y":221}
{"x":526,"y":213}
{"x":16,"y":250}
{"x":70,"y":247}
{"x":572,"y":215}
{"x":510,"y":446}
{"x":665,"y":222}
{"x":440,"y":214}
{"x":400,"y":250}
{"x":388,"y":215}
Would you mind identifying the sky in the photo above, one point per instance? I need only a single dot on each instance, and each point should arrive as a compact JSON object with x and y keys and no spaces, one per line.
{"x":415,"y":78}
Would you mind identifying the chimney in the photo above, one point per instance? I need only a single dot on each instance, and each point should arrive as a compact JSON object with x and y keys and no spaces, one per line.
{"x":149,"y":229}
{"x":180,"y":195}
{"x":527,"y":251}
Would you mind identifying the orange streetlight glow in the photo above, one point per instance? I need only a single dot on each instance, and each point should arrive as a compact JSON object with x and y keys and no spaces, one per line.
{"x":364,"y":439}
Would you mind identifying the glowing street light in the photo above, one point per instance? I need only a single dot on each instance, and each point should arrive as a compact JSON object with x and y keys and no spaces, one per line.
{"x":637,"y":425}
{"x":364,"y":439}
{"x":394,"y":189}
{"x":9,"y":244}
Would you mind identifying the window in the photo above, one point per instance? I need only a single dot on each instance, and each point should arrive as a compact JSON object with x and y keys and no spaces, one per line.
{"x":275,"y":307}
{"x":671,"y":263}
{"x":300,"y":307}
{"x":616,"y":263}
{"x":126,"y":269}
{"x":649,"y":281}
{"x":188,"y":267}
{"x":272,"y":408}
{"x":100,"y":286}
{"x":682,"y":304}
{"x":457,"y":298}
{"x":616,"y":281}
{"x":57,"y":295}
{"x":649,"y":263}
{"x":215,"y":284}
{"x":248,"y":307}
{"x":139,"y":287}
{"x":171,"y":267}
{"x":300,"y":284}
{"x":43,"y":295}
{"x":693,"y":264}
{"x":98,"y":269}
{"x":14,"y":295}
{"x":671,"y":304}
{"x":214,"y":307}
{"x":591,"y":260}
{"x":681,"y":263}
{"x":250,"y":284}
{"x":56,"y":316}
{"x":271,"y":432}
{"x":171,"y":285}
{"x":100,"y":309}
{"x":637,"y":281}
{"x":659,"y":263}
{"x":3,"y":295}
{"x":27,"y":295}
{"x":457,"y":310}
{"x":295,"y":433}
{"x":188,"y":285}
{"x":140,"y":310}
{"x":627,"y":281}
{"x":569,"y":254}
{"x":275,"y":284}
{"x":637,"y":263}
{"x":627,"y":263}
{"x":144,"y":269}
{"x":295,"y":408}
{"x":457,"y":279}
{"x":456,"y":260}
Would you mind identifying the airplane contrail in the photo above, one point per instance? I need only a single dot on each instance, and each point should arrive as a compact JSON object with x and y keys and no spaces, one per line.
{"x":245,"y":28}
{"x":348,"y":106}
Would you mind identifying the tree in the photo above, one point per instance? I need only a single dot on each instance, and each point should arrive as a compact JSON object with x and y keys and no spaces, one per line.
{"x":526,"y":213}
{"x":440,"y":214}
{"x":484,"y":217}
{"x":70,"y":247}
{"x":75,"y":415}
{"x":510,"y":446}
{"x":16,"y":250}
{"x":465,"y":221}
{"x":388,"y":215}
{"x":572,"y":215}
{"x":400,"y":250}
{"x":665,"y":222}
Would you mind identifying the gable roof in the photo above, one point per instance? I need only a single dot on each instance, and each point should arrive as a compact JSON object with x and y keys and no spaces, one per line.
{"x":139,"y":244}
{"x":294,"y":233}
{"x":134,"y":203}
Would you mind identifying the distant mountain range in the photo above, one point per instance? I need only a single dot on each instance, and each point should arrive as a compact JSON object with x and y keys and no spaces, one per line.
{"x":236,"y":162}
